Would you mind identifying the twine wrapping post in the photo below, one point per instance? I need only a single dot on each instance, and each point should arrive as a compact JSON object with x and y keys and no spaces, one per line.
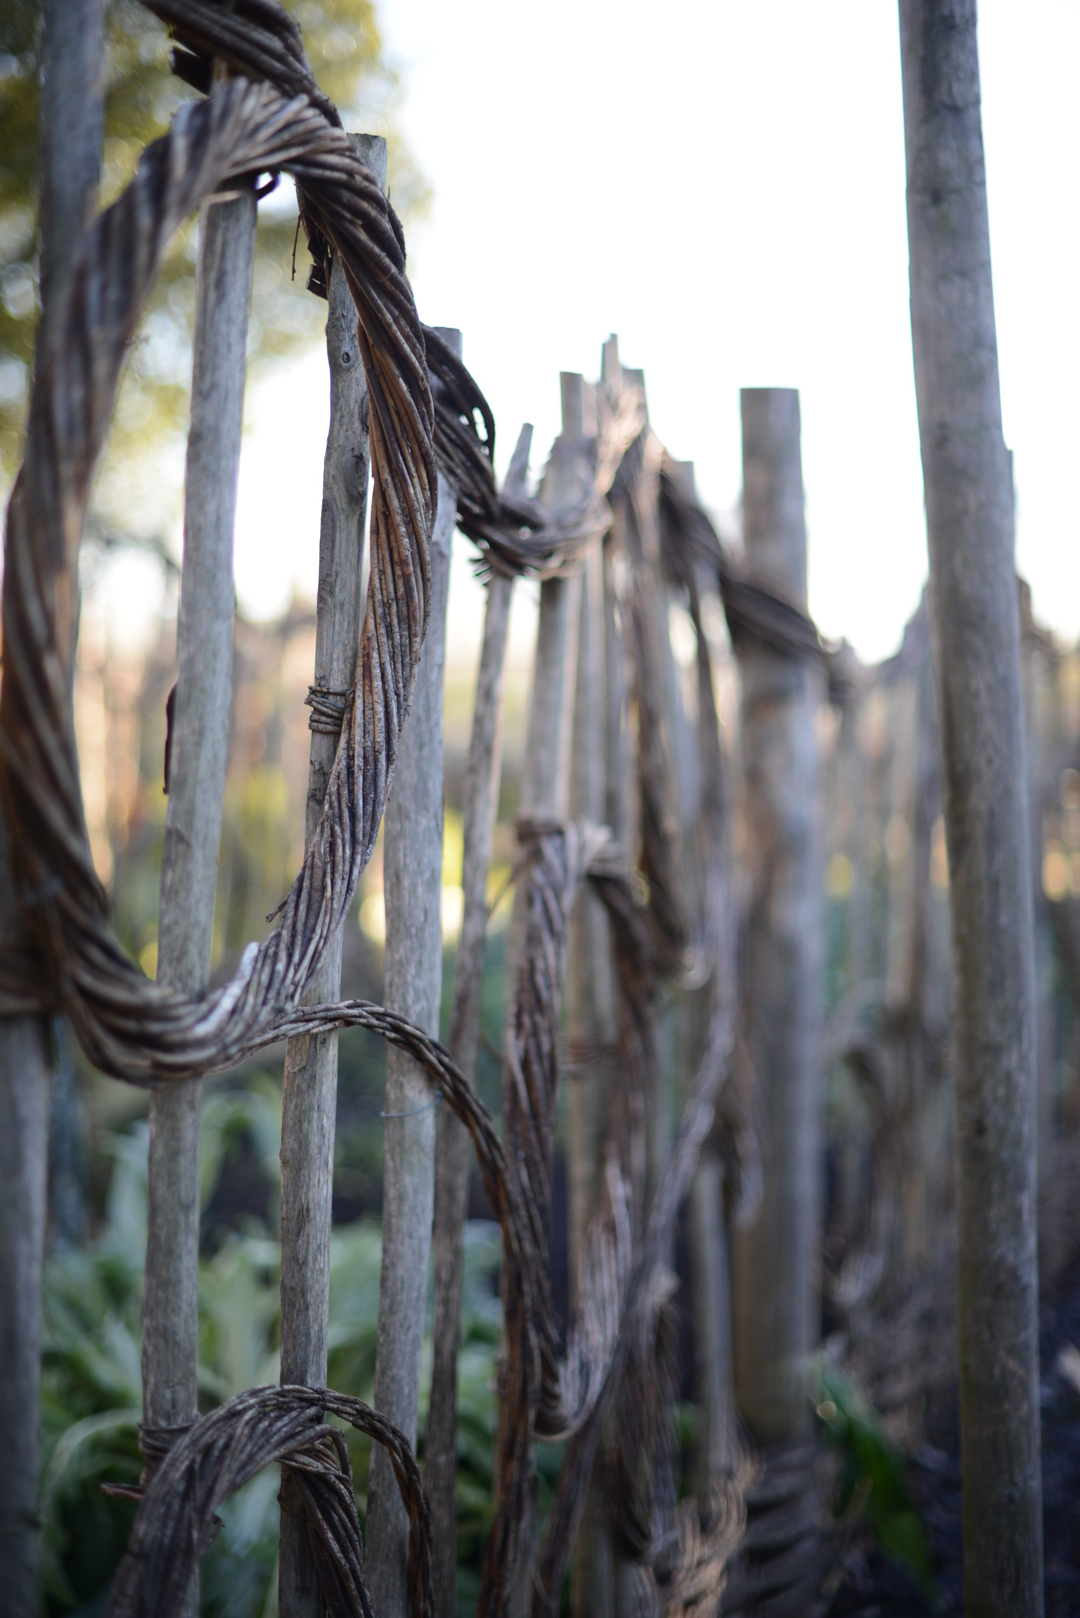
{"x":309,"y":1096}
{"x":412,"y":874}
{"x":453,"y":1153}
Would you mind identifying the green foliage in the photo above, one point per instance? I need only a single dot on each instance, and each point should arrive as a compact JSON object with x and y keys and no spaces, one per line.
{"x":345,"y":49}
{"x":91,"y":1373}
{"x":873,"y":1478}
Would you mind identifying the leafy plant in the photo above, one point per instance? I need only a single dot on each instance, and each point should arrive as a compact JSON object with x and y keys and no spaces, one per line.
{"x":91,"y":1378}
{"x":873,"y":1476}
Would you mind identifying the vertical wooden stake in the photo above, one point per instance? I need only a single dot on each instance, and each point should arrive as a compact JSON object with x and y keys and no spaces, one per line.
{"x":412,"y":873}
{"x":545,"y":781}
{"x":590,"y":983}
{"x":200,"y":745}
{"x":309,"y":1097}
{"x":591,"y":1032}
{"x":775,"y":1259}
{"x":545,"y":786}
{"x":975,"y":623}
{"x":453,"y":1153}
{"x":70,"y":119}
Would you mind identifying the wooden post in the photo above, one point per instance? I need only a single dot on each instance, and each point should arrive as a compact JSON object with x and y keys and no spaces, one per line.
{"x":775,"y":1259}
{"x":590,"y":983}
{"x":710,"y":1276}
{"x":453,"y":1152}
{"x":412,"y":873}
{"x":199,"y":755}
{"x":1035,"y":692}
{"x":545,"y":786}
{"x":545,"y":776}
{"x":707,"y":1236}
{"x":309,"y":1098}
{"x":70,"y":122}
{"x":977,"y":668}
{"x":71,"y":116}
{"x":591,"y":1033}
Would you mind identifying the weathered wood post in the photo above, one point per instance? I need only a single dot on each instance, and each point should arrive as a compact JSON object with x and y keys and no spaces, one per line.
{"x":453,"y":1152}
{"x":591,"y":1030}
{"x":975,"y":625}
{"x":704,"y":818}
{"x":545,"y":782}
{"x":199,"y":746}
{"x":70,"y":125}
{"x":545,"y":786}
{"x":309,"y":1098}
{"x":412,"y":873}
{"x":590,"y":982}
{"x":776,"y":1258}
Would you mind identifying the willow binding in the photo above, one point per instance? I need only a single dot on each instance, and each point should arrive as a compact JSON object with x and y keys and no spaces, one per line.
{"x":139,"y":1031}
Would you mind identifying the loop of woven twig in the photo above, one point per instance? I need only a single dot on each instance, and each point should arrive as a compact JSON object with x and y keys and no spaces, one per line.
{"x":222,"y":1451}
{"x":130,"y":1027}
{"x":539,"y":1394}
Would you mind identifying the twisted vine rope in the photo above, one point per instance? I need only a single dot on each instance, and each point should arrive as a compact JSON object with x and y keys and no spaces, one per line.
{"x":225,"y":1449}
{"x":517,"y":535}
{"x":130,"y":1027}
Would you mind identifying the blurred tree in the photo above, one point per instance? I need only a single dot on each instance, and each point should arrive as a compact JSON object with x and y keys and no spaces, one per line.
{"x":346,"y":52}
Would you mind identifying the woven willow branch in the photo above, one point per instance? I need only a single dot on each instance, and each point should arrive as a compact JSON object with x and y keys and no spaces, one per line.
{"x":128,"y":1026}
{"x":222,"y":1451}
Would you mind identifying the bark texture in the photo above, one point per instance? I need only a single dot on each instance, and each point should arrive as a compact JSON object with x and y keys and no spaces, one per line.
{"x":309,"y":1099}
{"x":453,"y":1153}
{"x":71,"y":117}
{"x":975,"y":628}
{"x":199,"y":747}
{"x":781,"y":969}
{"x":545,"y":783}
{"x":412,"y":874}
{"x":70,"y":122}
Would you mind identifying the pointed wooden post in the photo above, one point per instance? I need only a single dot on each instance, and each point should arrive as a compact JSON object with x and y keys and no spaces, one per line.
{"x":412,"y":873}
{"x":975,"y":622}
{"x":309,"y":1099}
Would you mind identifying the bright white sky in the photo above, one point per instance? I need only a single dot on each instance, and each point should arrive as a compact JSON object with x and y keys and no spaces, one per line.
{"x":722,"y":184}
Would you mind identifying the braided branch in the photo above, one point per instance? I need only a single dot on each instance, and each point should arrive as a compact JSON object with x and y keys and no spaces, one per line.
{"x":130,"y":1027}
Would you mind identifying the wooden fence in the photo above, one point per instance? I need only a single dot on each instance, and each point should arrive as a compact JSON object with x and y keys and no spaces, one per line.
{"x":727,"y":977}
